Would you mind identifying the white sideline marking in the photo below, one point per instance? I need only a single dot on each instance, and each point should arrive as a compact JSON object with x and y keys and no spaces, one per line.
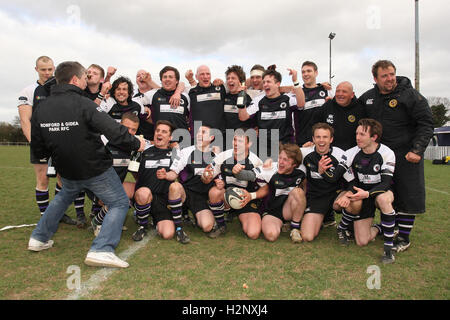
{"x":435,"y":190}
{"x":104,"y":273}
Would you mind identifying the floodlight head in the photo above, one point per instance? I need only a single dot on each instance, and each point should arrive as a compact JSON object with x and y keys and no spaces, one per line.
{"x":331,"y":35}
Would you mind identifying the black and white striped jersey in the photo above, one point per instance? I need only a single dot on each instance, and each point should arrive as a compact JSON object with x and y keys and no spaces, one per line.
{"x":275,"y":113}
{"x":223,"y":164}
{"x":115,"y":110}
{"x":158,"y":99}
{"x":189,"y":165}
{"x":152,"y":160}
{"x":207,"y":105}
{"x":303,"y":119}
{"x":231,"y":112}
{"x":121,"y":158}
{"x":280,"y":185}
{"x":329,"y":181}
{"x":35,"y":93}
{"x":372,"y":172}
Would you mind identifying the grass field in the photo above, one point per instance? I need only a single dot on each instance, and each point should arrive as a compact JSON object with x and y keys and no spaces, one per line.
{"x":217,"y":269}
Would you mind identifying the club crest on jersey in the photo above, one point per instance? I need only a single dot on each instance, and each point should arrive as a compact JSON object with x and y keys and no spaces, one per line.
{"x":217,"y":88}
{"x":253,"y":205}
{"x":369,"y":101}
{"x":283,"y":105}
{"x":376,"y":167}
{"x":298,"y":181}
{"x":351,"y":118}
{"x":322,"y":94}
{"x":393,"y":103}
{"x":330,"y":119}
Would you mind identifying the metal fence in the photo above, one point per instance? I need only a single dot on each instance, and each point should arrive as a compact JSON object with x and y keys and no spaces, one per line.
{"x":437,"y":152}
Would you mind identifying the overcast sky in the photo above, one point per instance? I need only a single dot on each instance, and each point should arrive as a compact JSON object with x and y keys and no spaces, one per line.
{"x":152,"y":34}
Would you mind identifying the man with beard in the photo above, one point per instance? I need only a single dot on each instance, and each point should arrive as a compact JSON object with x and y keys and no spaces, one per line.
{"x":408,"y":127}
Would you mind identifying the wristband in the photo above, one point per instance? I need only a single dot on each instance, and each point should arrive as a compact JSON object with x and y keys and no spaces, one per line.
{"x":297,"y":85}
{"x":100,"y":96}
{"x":253,"y":195}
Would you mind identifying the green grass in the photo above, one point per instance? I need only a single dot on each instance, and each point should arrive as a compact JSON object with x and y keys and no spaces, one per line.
{"x":217,"y":269}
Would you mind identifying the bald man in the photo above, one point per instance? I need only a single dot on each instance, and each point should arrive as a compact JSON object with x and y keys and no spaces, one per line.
{"x":342,"y":113}
{"x":207,"y":101}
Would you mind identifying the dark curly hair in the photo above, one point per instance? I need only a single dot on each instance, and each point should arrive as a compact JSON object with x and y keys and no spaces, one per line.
{"x":238,"y":71}
{"x":120,"y":80}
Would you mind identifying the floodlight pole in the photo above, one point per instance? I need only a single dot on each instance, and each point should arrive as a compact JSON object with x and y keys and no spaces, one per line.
{"x":331,"y":37}
{"x":417,"y":74}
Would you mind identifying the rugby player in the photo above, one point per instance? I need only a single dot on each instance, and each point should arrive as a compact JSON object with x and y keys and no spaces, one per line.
{"x":121,"y":160}
{"x":228,"y":164}
{"x":342,"y":113}
{"x":153,"y":193}
{"x":27,"y":104}
{"x":286,"y":200}
{"x":207,"y":102}
{"x":316,"y":94}
{"x":408,"y":127}
{"x":372,"y":165}
{"x":273,"y":110}
{"x":121,"y":100}
{"x":324,"y":166}
{"x":160,"y":99}
{"x":235,"y":76}
{"x":255,"y":82}
{"x":191,"y":189}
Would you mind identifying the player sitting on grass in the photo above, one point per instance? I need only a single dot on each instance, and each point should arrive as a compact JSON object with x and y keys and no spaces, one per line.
{"x":286,"y":199}
{"x":372,"y":164}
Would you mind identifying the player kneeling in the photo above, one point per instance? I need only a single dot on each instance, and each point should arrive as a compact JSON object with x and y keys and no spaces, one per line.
{"x":324,"y":167}
{"x":229,"y":164}
{"x":286,"y":200}
{"x":192,"y":189}
{"x":372,"y":165}
{"x":154,"y":193}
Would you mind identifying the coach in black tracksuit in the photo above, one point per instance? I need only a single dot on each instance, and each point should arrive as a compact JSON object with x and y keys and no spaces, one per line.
{"x":407,"y":128}
{"x":67,"y":127}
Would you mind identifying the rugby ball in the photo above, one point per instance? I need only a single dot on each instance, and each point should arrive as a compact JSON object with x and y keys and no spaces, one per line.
{"x":233,"y":197}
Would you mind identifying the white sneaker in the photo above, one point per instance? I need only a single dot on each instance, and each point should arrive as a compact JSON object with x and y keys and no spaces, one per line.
{"x":36,"y":245}
{"x":296,"y":237}
{"x":104,"y":259}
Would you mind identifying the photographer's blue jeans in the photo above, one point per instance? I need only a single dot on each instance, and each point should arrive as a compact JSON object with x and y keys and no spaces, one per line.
{"x":108,"y":188}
